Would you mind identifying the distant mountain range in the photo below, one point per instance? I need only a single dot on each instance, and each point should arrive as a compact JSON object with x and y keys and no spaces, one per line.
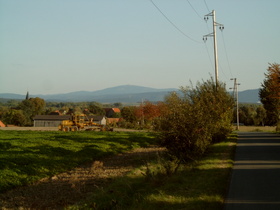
{"x":123,"y":94}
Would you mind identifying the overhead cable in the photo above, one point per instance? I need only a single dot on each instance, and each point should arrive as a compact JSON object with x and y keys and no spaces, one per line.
{"x":194,"y":10}
{"x":206,"y":6}
{"x":226,"y":54}
{"x":176,"y":27}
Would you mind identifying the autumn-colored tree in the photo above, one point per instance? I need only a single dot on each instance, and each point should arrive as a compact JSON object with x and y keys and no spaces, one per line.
{"x":147,"y":112}
{"x":270,"y":94}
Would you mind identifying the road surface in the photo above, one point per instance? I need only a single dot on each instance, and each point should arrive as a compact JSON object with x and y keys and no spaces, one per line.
{"x":255,"y":181}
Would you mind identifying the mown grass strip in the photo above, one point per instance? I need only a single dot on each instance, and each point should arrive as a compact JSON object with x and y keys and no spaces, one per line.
{"x":202,"y":185}
{"x":27,"y":156}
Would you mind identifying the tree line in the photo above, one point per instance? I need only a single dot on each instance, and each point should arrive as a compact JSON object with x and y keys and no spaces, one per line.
{"x":148,"y":114}
{"x":187,"y":122}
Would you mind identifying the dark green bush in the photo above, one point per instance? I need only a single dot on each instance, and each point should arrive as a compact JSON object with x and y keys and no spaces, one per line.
{"x":196,"y":118}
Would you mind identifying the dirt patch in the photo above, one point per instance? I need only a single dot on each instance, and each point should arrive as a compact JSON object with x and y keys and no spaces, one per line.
{"x":29,"y":128}
{"x":70,"y":187}
{"x":56,"y":129}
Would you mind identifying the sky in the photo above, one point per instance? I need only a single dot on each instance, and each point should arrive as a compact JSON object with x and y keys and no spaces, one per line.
{"x":61,"y":46}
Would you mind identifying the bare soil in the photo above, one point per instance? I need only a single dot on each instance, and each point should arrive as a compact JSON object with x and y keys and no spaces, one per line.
{"x":73,"y":186}
{"x":56,"y":129}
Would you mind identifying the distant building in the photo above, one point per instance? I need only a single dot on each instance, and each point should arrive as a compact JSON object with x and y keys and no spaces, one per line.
{"x":56,"y":120}
{"x":27,"y":96}
{"x":112,"y":112}
{"x":50,"y":120}
{"x":101,"y":120}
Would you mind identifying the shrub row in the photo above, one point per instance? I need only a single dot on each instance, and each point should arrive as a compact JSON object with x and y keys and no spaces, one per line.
{"x":195,"y":118}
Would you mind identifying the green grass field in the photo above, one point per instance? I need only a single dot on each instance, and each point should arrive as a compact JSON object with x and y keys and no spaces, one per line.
{"x":27,"y":156}
{"x":200,"y":185}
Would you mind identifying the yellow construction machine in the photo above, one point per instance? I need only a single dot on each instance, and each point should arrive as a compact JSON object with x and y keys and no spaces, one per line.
{"x":80,"y":122}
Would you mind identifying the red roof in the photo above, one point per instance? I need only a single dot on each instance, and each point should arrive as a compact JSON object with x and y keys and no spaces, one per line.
{"x":116,"y":110}
{"x":2,"y":124}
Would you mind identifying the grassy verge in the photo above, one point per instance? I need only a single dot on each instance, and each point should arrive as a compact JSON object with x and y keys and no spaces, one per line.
{"x":257,"y":128}
{"x":27,"y":156}
{"x":202,"y":185}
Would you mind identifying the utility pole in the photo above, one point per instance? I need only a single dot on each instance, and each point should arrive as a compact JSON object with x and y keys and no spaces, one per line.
{"x":235,"y":95}
{"x":213,"y":34}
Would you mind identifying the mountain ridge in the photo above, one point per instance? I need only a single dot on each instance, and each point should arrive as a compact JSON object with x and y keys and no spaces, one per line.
{"x":123,"y":93}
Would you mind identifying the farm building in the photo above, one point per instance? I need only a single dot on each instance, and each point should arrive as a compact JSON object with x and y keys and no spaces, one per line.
{"x":49,"y":120}
{"x":98,"y":119}
{"x":111,"y":112}
{"x":55,"y":120}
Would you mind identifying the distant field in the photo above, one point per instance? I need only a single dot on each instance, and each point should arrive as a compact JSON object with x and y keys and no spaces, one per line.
{"x":15,"y":128}
{"x":27,"y":156}
{"x":257,"y":128}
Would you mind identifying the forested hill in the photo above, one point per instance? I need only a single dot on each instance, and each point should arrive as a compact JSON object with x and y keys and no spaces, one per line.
{"x":124,"y":94}
{"x":249,"y":96}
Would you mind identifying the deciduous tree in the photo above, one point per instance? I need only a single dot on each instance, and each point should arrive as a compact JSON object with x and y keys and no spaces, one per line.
{"x":31,"y":107}
{"x":195,"y":118}
{"x":270,"y":94}
{"x":96,"y":108}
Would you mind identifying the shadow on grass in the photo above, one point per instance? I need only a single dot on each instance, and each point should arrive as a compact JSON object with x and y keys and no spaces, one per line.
{"x":41,"y":154}
{"x":69,"y":188}
{"x":202,"y":187}
{"x":186,"y":190}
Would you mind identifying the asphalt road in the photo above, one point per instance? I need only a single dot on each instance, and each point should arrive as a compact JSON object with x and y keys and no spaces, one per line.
{"x":255,"y":181}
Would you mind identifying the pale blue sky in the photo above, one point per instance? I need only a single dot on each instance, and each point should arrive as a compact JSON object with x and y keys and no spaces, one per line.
{"x":60,"y":46}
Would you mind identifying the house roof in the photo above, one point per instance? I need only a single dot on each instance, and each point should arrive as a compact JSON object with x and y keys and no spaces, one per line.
{"x":52,"y":117}
{"x":116,"y":110}
{"x":2,"y":124}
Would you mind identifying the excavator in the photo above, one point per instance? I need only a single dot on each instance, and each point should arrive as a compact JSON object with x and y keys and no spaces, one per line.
{"x":81,"y":122}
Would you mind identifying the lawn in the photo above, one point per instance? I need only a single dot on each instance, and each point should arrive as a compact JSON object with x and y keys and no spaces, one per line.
{"x":28,"y":156}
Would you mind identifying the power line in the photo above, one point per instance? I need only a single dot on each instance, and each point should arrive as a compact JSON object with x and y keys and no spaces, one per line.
{"x":209,"y":56}
{"x":212,"y":66}
{"x":176,"y":27}
{"x":198,"y":15}
{"x":206,"y":6}
{"x":226,"y":54}
{"x":209,"y":33}
{"x":194,"y":10}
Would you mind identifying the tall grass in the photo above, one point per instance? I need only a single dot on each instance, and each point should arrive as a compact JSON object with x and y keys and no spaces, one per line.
{"x":27,"y":156}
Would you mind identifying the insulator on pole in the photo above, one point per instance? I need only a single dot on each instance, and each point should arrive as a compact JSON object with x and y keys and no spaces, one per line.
{"x":221,"y":27}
